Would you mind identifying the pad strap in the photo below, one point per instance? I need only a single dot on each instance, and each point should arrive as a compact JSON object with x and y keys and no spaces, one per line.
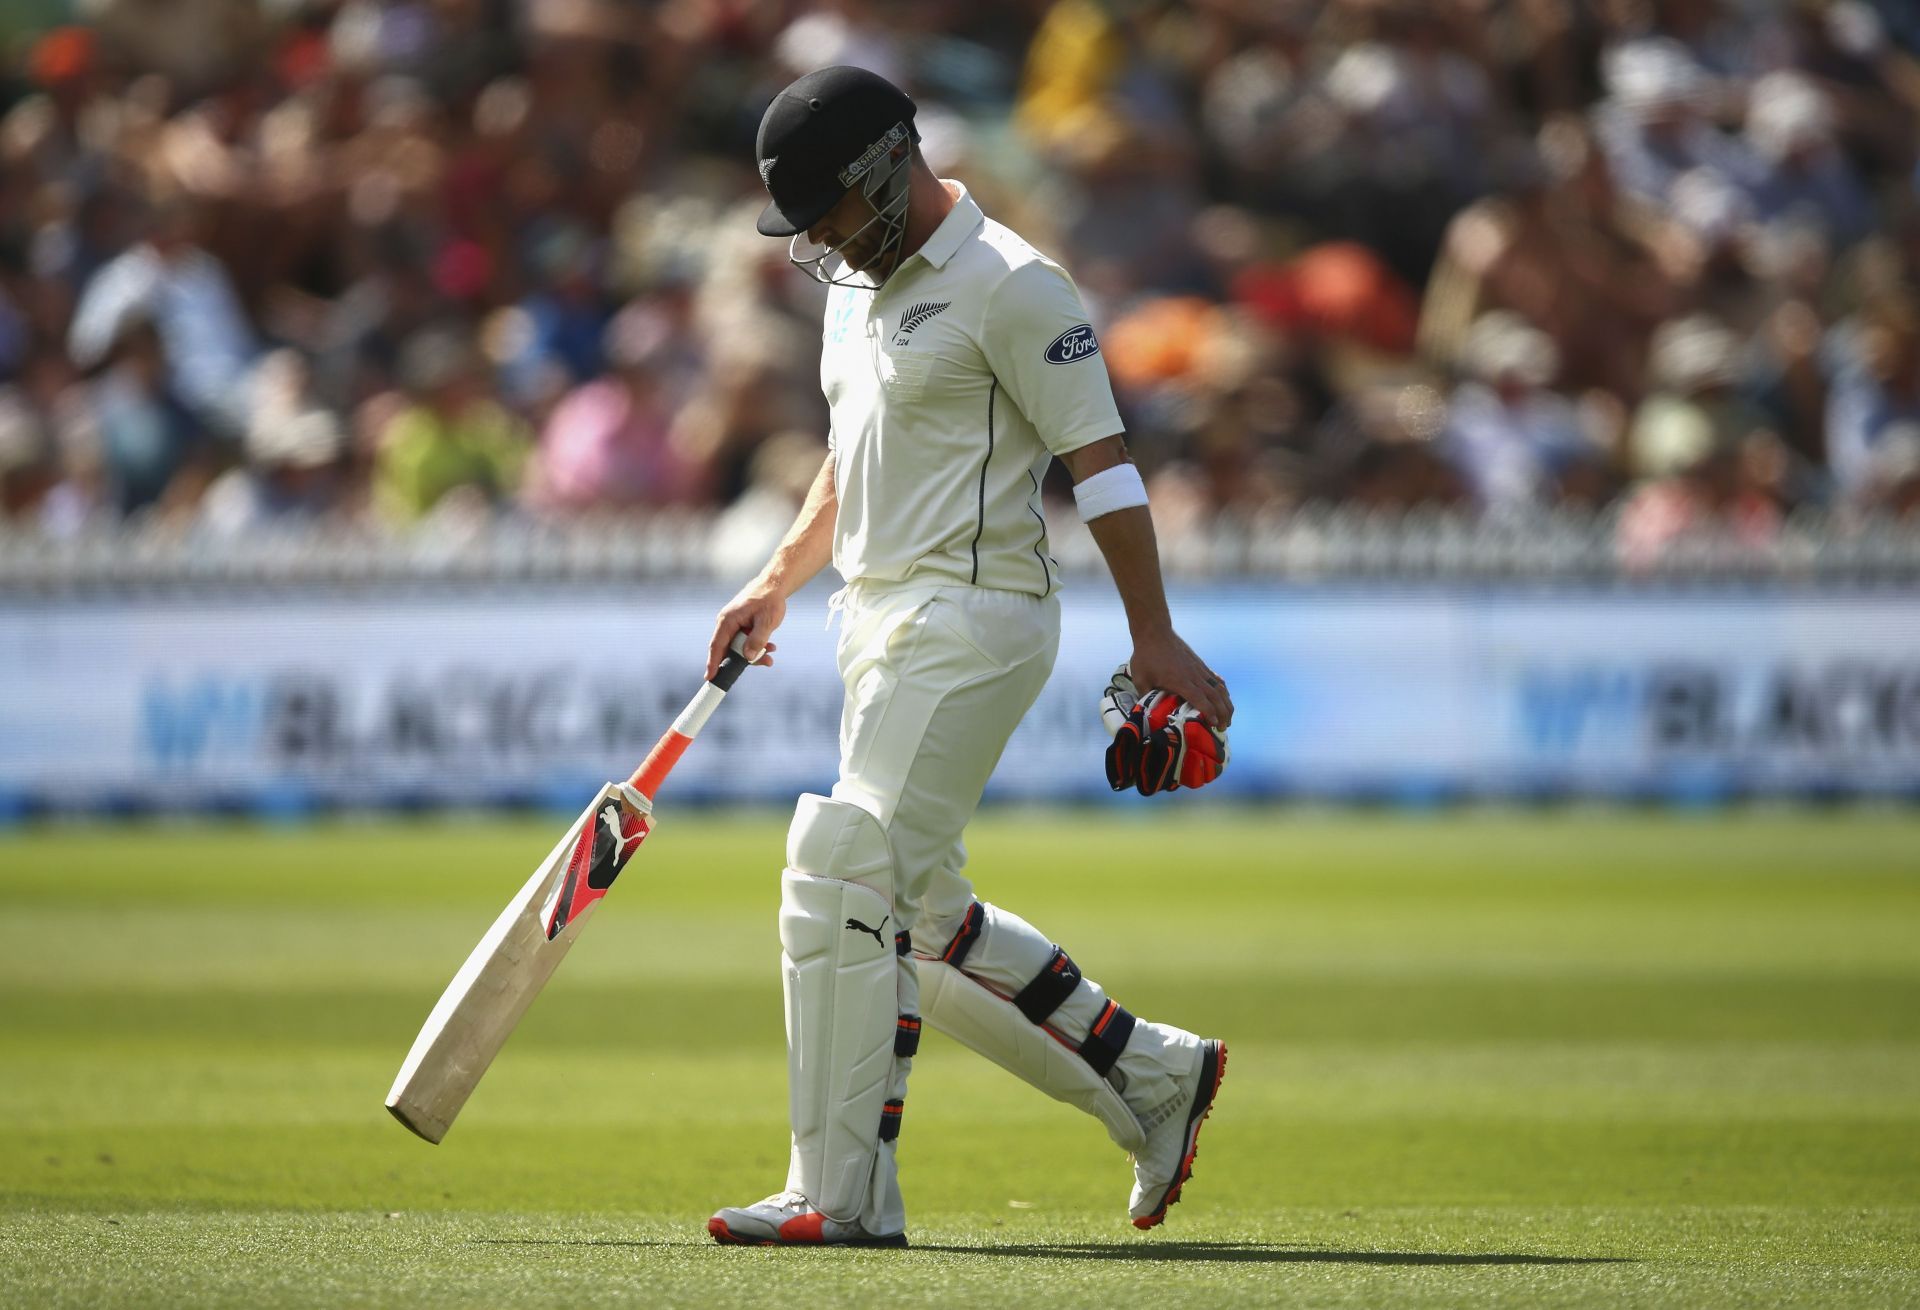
{"x":890,"y":1120}
{"x":1050,"y":989}
{"x":1107,"y":1038}
{"x":906,"y":1035}
{"x":963,"y":940}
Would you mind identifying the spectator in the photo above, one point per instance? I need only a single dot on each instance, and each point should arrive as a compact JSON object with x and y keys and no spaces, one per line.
{"x":841,"y":32}
{"x":782,"y":472}
{"x":564,"y":316}
{"x":196,"y":42}
{"x":1507,"y":433}
{"x":1696,"y":408}
{"x":1802,"y":174}
{"x":1555,"y":246}
{"x":1663,"y":148}
{"x":1124,"y":200}
{"x":1707,"y":210}
{"x":1874,"y":371}
{"x":293,"y":451}
{"x":288,"y":479}
{"x":153,"y":450}
{"x":1893,"y":474}
{"x":1723,"y":488}
{"x":1254,"y":103}
{"x":1400,"y":476}
{"x":1376,"y":448}
{"x":169,"y":282}
{"x":28,"y":468}
{"x":452,"y":435}
{"x":1785,"y":379}
{"x":610,"y":442}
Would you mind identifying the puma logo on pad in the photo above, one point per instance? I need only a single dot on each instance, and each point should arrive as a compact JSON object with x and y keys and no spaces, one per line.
{"x":854,"y":925}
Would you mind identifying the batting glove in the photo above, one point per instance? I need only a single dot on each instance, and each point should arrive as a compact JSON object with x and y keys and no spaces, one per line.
{"x":1160,"y":743}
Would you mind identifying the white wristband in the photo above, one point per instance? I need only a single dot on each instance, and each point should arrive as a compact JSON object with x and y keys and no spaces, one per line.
{"x":1119,"y":487}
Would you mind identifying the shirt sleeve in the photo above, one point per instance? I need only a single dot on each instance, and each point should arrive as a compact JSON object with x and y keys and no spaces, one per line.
{"x":129,"y":283}
{"x":1044,"y":353}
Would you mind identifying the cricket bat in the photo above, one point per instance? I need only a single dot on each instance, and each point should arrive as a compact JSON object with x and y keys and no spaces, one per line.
{"x":485,"y":1000}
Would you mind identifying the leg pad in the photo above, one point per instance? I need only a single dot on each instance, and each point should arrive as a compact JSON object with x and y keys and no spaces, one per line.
{"x":986,"y":1022}
{"x":842,"y":982}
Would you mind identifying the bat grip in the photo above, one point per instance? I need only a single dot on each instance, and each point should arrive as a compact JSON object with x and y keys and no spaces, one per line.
{"x":659,"y":763}
{"x":667,"y":751}
{"x":733,"y":664}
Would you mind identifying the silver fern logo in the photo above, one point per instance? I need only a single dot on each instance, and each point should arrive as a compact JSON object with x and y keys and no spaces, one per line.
{"x":915,"y":316}
{"x":766,"y":173}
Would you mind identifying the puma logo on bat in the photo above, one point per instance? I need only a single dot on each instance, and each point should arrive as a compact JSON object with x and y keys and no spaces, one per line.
{"x":854,"y":925}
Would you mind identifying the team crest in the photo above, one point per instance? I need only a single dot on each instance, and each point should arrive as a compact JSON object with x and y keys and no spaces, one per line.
{"x":915,"y":316}
{"x":766,"y":173}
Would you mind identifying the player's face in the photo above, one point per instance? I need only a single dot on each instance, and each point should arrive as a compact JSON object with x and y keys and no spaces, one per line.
{"x":841,"y":230}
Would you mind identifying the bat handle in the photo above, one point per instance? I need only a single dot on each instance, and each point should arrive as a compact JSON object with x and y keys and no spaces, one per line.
{"x":667,"y":751}
{"x":732,"y":664}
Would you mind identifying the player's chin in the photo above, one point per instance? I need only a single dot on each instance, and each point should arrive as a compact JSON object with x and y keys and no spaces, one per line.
{"x":864,"y":258}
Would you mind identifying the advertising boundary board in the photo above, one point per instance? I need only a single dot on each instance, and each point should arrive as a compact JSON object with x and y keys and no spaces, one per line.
{"x":282,"y":703}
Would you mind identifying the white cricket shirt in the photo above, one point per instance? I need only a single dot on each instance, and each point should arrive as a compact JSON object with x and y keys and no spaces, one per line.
{"x":951,"y":388}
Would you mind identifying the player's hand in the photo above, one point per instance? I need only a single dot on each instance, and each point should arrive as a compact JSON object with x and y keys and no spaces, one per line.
{"x":1160,"y":743}
{"x":1163,"y":660}
{"x":754,"y":612}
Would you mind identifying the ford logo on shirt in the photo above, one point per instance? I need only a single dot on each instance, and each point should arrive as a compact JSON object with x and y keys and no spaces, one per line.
{"x":1074,"y":343}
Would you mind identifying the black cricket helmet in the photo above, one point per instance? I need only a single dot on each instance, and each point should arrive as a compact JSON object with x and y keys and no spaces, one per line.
{"x":832,"y":131}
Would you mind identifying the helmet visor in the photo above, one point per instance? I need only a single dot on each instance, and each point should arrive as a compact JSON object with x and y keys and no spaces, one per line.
{"x":867,"y":255}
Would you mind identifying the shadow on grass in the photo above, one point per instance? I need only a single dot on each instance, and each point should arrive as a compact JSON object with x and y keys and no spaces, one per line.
{"x":1263,"y":1253}
{"x":581,"y":1241}
{"x":1222,"y":1252}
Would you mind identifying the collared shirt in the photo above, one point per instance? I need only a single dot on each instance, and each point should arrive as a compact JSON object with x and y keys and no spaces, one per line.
{"x":952,"y":388}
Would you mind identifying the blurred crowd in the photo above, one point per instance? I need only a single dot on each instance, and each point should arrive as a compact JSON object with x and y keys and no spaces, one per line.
{"x":382,"y":263}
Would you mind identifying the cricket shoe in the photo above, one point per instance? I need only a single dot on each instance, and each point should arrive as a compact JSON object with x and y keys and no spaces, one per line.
{"x":1165,"y":1162}
{"x":789,"y":1219}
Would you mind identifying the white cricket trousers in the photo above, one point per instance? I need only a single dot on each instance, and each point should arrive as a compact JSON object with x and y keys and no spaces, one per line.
{"x":937,"y":678}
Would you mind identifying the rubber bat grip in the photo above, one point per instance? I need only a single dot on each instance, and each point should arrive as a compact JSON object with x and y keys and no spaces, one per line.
{"x":729,"y":671}
{"x":732,"y":665}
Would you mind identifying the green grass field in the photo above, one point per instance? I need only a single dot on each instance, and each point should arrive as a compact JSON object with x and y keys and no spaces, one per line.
{"x":1578,"y":1059}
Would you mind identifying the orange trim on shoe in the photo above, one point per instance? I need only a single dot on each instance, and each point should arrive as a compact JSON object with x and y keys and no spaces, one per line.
{"x":807,"y":1227}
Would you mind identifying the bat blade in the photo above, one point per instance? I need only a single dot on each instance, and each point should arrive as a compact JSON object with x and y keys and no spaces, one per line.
{"x":484,"y":1002}
{"x":492,"y":990}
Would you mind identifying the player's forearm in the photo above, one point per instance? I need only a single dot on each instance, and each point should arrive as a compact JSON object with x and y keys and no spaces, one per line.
{"x":808,"y":546}
{"x":1127,"y":542}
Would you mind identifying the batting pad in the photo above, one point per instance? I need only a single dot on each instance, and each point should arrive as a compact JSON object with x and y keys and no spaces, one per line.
{"x":841,"y":969}
{"x":989,"y":1024}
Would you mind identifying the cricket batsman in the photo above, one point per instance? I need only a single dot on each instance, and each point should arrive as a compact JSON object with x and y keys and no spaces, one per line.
{"x":957,"y":362}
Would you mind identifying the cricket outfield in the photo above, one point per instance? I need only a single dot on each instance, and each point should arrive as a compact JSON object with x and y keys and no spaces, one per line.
{"x":1571,"y":1059}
